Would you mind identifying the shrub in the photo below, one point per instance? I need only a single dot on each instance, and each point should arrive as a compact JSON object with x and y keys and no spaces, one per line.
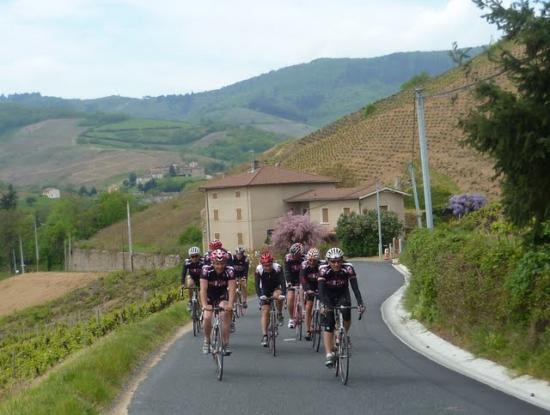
{"x":463,"y":204}
{"x":359,"y":233}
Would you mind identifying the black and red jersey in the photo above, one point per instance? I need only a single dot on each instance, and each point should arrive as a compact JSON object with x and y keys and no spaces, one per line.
{"x":293,"y":264}
{"x":241,"y":266}
{"x":308,"y":275}
{"x":217,"y":283}
{"x":267,"y":282}
{"x":337,"y":280}
{"x":193,"y":268}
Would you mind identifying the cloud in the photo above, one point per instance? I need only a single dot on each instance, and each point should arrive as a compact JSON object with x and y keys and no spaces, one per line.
{"x":140,"y":47}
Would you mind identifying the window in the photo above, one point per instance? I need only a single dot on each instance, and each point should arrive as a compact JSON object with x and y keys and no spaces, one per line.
{"x":325,"y":215}
{"x":216,"y":217}
{"x":214,"y":195}
{"x":240,"y":239}
{"x":384,"y":207}
{"x":346,"y":211}
{"x":216,"y":236}
{"x":305,"y":211}
{"x":237,"y":194}
{"x":239,"y":214}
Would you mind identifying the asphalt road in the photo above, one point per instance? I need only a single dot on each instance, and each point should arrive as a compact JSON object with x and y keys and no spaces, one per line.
{"x":386,"y":377}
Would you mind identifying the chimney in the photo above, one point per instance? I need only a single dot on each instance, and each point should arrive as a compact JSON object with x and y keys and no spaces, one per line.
{"x":254,"y":166}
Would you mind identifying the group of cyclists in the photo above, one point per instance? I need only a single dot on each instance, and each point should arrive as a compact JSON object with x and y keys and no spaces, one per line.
{"x":217,"y":273}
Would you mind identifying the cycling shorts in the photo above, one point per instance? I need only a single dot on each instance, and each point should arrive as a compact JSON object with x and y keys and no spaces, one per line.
{"x":328,"y":320}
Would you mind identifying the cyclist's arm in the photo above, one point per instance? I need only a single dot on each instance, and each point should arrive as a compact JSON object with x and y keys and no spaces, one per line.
{"x":231,"y":288}
{"x":246,"y":268}
{"x":287,"y":271}
{"x":283,"y":283}
{"x":322,"y":290}
{"x":204,"y":289}
{"x":183,"y":274}
{"x":257,"y":284}
{"x":355,"y":288}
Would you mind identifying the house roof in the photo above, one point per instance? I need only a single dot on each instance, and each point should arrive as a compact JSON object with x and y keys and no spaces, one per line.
{"x":343,"y":193}
{"x":267,"y":175}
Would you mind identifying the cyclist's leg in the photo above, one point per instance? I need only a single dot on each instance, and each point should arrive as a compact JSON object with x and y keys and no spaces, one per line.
{"x":290,"y":302}
{"x":244,"y":289}
{"x":226,"y":320}
{"x":207,"y":322}
{"x":309,"y":310}
{"x":327,"y":323}
{"x":345,"y":299}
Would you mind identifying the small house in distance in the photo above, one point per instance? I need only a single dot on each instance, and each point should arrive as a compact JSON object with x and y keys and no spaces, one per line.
{"x":51,"y":193}
{"x":242,"y":209}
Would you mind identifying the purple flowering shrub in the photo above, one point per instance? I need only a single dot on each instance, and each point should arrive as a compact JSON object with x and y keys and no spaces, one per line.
{"x":466,"y":203}
{"x":296,"y":228}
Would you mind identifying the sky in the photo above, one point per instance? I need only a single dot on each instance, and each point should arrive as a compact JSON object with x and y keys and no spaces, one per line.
{"x":95,"y":48}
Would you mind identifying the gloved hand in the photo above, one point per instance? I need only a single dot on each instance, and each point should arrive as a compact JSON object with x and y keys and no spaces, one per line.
{"x":281,"y":297}
{"x":263,"y":297}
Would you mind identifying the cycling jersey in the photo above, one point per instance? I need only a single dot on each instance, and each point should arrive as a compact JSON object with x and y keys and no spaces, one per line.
{"x":292,"y":269}
{"x":308,"y":276}
{"x":267,"y":282}
{"x":217,"y":283}
{"x":241,"y":266}
{"x":193,"y":268}
{"x":335,"y":283}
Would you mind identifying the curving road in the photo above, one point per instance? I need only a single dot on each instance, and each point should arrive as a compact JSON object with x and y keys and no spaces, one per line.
{"x":386,"y":377}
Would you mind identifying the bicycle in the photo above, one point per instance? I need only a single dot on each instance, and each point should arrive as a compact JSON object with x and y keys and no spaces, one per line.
{"x":273,"y":326}
{"x":298,"y":312}
{"x":316,"y":332}
{"x":196,"y":314}
{"x":341,"y":345}
{"x":216,"y":342}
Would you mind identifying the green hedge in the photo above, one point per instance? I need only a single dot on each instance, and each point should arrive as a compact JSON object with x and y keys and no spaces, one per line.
{"x":477,"y":282}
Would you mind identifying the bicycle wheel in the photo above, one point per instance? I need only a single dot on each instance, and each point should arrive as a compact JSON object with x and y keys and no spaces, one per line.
{"x":273,"y":334}
{"x":343,"y":358}
{"x":217,"y":351}
{"x":317,"y":332}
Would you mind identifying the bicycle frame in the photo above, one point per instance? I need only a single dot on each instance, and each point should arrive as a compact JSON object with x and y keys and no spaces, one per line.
{"x":216,"y":341}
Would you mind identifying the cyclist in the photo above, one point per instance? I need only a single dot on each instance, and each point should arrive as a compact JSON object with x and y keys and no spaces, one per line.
{"x":334,"y":280}
{"x":217,"y":288}
{"x":309,"y":272}
{"x":241,"y":265}
{"x":270,"y":282}
{"x":192,"y":266}
{"x":293,"y":263}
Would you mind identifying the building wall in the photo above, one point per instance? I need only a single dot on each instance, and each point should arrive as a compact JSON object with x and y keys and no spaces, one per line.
{"x":394,"y":201}
{"x":227,"y":226}
{"x":335,"y":209}
{"x":268,"y":205}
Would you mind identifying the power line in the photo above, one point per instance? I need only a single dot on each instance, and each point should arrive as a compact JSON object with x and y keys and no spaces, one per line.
{"x":463,"y":87}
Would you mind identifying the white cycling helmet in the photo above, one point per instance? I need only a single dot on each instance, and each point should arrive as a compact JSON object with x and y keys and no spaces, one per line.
{"x":335,"y":253}
{"x":313,"y":253}
{"x":194,"y":250}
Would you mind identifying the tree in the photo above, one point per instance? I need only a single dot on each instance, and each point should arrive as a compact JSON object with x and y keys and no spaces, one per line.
{"x":512,"y":126}
{"x":416,"y":81}
{"x":132,"y":178}
{"x":83,"y":191}
{"x":296,"y":228}
{"x":359,"y":232}
{"x":172,"y":171}
{"x":8,"y":200}
{"x":93,"y":191}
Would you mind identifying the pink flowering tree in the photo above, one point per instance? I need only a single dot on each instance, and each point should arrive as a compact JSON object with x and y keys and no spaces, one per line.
{"x":296,"y":228}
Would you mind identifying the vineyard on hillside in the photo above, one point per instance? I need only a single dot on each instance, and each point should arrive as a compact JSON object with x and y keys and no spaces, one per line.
{"x":379,"y":141}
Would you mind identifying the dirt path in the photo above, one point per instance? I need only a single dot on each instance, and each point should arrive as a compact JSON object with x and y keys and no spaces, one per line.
{"x":31,"y":289}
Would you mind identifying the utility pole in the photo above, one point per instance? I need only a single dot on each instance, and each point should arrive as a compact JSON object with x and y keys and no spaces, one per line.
{"x":36,"y":253}
{"x":14,"y":261}
{"x":424,"y":157}
{"x":130,"y":250}
{"x":379,"y":220}
{"x":415,"y":193}
{"x":21,"y":253}
{"x":69,"y":254}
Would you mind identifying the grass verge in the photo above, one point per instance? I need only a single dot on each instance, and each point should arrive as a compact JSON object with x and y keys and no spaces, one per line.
{"x":89,"y":383}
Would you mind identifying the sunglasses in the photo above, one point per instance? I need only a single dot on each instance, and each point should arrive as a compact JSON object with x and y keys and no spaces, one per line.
{"x":335,"y":261}
{"x":195,"y":256}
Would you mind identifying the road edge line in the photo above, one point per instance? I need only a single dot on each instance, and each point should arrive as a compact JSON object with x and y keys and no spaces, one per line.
{"x":417,"y":337}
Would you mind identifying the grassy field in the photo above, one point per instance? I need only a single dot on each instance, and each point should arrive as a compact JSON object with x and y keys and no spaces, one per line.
{"x":155,"y":229}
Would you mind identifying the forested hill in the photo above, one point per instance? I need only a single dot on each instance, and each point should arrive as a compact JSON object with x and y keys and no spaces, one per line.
{"x":292,"y":100}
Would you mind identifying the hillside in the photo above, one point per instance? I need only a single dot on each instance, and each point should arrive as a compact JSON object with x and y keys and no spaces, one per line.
{"x":291,"y":101}
{"x":47,"y":153}
{"x":379,"y":140}
{"x":155,"y":229}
